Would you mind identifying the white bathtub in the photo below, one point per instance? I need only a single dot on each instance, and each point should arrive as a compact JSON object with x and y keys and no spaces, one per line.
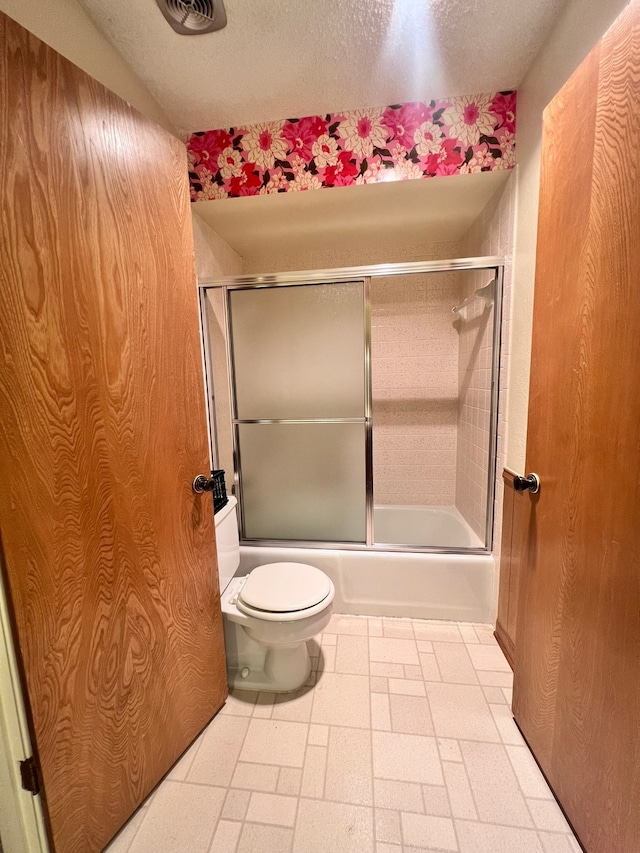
{"x":436,"y":526}
{"x":458,"y":587}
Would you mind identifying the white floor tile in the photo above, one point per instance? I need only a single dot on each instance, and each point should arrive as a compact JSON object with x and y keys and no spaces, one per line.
{"x":342,"y":700}
{"x":428,"y":831}
{"x":547,"y":815}
{"x":215,"y":760}
{"x":454,"y":663}
{"x":460,"y":796}
{"x":410,"y":715}
{"x":273,"y":809}
{"x":181,"y":818}
{"x":406,"y":758}
{"x":255,"y":777}
{"x":380,"y":712}
{"x":226,"y":837}
{"x":460,"y":711}
{"x":393,"y":650}
{"x":496,"y":791}
{"x":529,"y":776}
{"x":235,"y":804}
{"x":275,"y":742}
{"x":352,"y":654}
{"x":488,"y":658}
{"x":403,"y":796}
{"x":349,"y":774}
{"x":388,"y":826}
{"x":489,"y":838}
{"x":436,"y":800}
{"x":323,"y":826}
{"x":404,"y":728}
{"x":254,"y":838}
{"x":289,"y":781}
{"x":445,"y":632}
{"x":554,"y":843}
{"x":313,"y":773}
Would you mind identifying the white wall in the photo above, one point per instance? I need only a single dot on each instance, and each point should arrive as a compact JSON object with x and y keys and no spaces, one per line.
{"x":577,"y":30}
{"x":214,"y":256}
{"x":66,"y":27}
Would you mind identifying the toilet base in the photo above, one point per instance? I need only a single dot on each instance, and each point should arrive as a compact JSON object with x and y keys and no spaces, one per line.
{"x":276,"y":669}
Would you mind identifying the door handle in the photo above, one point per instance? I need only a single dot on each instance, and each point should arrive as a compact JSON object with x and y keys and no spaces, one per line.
{"x":203,"y":484}
{"x":531,"y":482}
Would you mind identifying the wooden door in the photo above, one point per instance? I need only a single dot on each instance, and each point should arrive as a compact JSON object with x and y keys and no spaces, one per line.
{"x":577,"y":670}
{"x":108,"y":555}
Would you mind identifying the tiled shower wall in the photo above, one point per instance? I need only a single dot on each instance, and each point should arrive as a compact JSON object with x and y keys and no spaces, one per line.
{"x":414,"y":362}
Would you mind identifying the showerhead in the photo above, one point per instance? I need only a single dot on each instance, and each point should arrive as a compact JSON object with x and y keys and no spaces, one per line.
{"x":488,"y":292}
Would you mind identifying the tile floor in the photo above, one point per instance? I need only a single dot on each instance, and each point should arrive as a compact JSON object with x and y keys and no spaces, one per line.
{"x":401,"y":742}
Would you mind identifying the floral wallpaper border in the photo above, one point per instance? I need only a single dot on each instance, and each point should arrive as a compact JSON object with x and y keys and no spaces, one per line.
{"x":450,"y":136}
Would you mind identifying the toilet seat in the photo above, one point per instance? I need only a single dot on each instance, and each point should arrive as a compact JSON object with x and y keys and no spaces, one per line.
{"x":284,"y":592}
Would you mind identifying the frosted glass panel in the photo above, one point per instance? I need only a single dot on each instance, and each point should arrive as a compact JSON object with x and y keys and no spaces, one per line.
{"x":299,"y":351}
{"x":303,"y":481}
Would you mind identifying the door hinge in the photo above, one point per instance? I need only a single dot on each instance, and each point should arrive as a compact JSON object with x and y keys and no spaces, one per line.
{"x":29,"y":775}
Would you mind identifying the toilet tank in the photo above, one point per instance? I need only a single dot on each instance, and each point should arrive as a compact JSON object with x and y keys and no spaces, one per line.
{"x":227,"y":542}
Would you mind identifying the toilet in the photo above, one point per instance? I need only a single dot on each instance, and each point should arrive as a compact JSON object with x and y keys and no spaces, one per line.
{"x":268,"y":615}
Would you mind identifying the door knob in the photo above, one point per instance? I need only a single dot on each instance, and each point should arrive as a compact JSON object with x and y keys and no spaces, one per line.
{"x":203,"y":484}
{"x":530,"y":482}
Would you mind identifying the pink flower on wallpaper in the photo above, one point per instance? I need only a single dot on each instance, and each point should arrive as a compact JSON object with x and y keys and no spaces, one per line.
{"x":504,"y":107}
{"x":247,"y":182}
{"x":375,"y":173}
{"x":469,"y":118}
{"x":342,"y":173}
{"x":305,"y":181}
{"x":403,"y":121}
{"x":264,"y":144}
{"x":229,"y":163}
{"x":206,"y":148}
{"x":362,"y":131}
{"x":325,"y":151}
{"x":407,"y":170}
{"x":428,"y":138}
{"x":401,"y":142}
{"x":277,"y":182}
{"x":302,"y":134}
{"x":443,"y":160}
{"x":508,"y":145}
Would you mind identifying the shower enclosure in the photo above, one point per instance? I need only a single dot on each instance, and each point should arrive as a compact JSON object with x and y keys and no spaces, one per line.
{"x":357,"y":408}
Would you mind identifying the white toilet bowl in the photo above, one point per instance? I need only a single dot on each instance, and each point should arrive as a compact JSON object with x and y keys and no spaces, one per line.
{"x":269,"y":615}
{"x":267,"y":648}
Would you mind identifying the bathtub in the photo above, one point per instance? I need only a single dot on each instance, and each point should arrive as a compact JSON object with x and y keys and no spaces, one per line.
{"x":457,"y":587}
{"x":435,"y":526}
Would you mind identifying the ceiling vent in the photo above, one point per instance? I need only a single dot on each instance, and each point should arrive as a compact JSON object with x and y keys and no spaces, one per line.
{"x":194,"y":17}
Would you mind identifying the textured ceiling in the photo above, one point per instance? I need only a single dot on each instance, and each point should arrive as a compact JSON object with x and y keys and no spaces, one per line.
{"x":287,"y":58}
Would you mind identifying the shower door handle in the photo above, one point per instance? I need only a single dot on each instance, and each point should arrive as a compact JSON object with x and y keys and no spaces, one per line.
{"x":531,"y":483}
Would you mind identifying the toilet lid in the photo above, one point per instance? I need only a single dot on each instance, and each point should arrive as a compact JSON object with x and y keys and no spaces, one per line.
{"x":283,"y":587}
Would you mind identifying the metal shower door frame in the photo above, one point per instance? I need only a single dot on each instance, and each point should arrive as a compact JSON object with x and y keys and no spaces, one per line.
{"x":336,"y":277}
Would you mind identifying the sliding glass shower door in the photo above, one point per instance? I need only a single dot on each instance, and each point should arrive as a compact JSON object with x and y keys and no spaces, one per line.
{"x":301,"y":410}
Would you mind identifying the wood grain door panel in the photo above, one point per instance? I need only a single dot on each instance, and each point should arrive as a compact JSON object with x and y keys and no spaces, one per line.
{"x":109,"y":556}
{"x":577,"y":675}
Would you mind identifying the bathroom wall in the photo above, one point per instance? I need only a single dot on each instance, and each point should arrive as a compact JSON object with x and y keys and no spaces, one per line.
{"x":216,"y":259}
{"x":414,"y":366}
{"x":358,"y":250}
